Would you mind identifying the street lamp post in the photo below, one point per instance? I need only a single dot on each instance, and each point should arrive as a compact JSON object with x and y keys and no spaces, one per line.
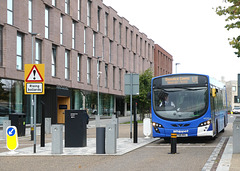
{"x":32,"y":101}
{"x":98,"y":77}
{"x":33,"y":104}
{"x":98,"y":80}
{"x":176,"y":66}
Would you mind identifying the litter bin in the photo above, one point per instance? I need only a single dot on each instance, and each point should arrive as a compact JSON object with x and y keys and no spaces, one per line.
{"x":18,"y":120}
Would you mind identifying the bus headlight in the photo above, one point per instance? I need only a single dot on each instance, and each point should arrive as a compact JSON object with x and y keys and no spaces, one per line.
{"x":206,"y":123}
{"x":156,"y":126}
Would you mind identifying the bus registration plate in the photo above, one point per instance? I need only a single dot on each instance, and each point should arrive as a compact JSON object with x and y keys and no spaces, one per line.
{"x":182,"y":135}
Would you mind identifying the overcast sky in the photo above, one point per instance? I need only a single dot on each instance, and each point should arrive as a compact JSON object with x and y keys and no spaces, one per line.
{"x":189,"y":30}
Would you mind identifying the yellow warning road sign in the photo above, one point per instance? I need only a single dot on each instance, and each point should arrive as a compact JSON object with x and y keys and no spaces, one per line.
{"x":34,"y":79}
{"x":12,"y":137}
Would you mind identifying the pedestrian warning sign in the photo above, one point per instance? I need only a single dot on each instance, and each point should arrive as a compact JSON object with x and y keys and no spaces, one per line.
{"x":34,"y":78}
{"x":34,"y":75}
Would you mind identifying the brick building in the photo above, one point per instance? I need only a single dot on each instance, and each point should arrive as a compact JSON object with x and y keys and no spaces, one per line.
{"x":68,"y":37}
{"x":162,"y":61}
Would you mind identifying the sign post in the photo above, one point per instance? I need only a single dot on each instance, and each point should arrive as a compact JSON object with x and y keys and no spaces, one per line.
{"x":131,"y":88}
{"x":34,"y":84}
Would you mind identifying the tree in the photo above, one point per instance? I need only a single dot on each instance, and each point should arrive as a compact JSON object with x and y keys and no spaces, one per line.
{"x":144,"y":103}
{"x":233,"y":16}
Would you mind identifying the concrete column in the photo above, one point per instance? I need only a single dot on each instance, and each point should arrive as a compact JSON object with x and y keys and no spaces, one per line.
{"x":111,"y":139}
{"x":116,"y":122}
{"x":57,"y":139}
{"x":97,"y":119}
{"x":48,"y":125}
{"x":236,"y":135}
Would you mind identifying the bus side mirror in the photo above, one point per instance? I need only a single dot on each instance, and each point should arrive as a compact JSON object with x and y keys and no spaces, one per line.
{"x":149,"y":96}
{"x":214,"y":92}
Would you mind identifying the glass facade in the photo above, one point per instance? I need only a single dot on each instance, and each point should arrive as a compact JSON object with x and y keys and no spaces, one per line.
{"x":13,"y":100}
{"x":106,"y":104}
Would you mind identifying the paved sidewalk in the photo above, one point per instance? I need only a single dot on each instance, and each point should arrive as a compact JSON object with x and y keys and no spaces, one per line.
{"x":124,"y":144}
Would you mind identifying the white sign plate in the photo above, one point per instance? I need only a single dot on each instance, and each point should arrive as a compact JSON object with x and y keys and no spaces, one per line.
{"x":34,"y":87}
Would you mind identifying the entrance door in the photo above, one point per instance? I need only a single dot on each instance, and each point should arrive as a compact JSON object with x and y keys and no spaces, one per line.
{"x":63,"y":104}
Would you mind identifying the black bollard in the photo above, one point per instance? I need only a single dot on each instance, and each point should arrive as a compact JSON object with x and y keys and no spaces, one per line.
{"x":43,"y":125}
{"x":173,"y":143}
{"x":100,"y":140}
{"x":135,"y":133}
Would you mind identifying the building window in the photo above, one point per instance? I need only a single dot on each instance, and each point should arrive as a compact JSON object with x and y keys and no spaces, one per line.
{"x":30,"y":16}
{"x":148,"y":51}
{"x":103,"y":47}
{"x":89,"y":70}
{"x":106,"y":75}
{"x":79,"y":9}
{"x":140,"y":46}
{"x":106,"y":24}
{"x":233,"y":88}
{"x":236,"y":99}
{"x":67,"y":6}
{"x":54,"y":56}
{"x":46,"y":21}
{"x":143,"y":64}
{"x":120,"y":79}
{"x":145,"y":48}
{"x":67,"y":64}
{"x":1,"y":47}
{"x":19,"y":51}
{"x":79,"y":62}
{"x":131,"y":40}
{"x":94,"y":43}
{"x":61,"y":29}
{"x":134,"y":62}
{"x":89,"y":13}
{"x":152,"y":52}
{"x":84,"y":40}
{"x":126,"y":36}
{"x":129,"y":59}
{"x":114,"y":28}
{"x":114,"y":79}
{"x":38,"y":51}
{"x":53,"y":2}
{"x":10,"y":12}
{"x":73,"y":34}
{"x":110,"y":51}
{"x":98,"y":19}
{"x":120,"y":33}
{"x":136,"y":43}
{"x":117,"y":54}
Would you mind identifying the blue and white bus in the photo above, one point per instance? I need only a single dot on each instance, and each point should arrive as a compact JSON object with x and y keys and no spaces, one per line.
{"x":191,"y":105}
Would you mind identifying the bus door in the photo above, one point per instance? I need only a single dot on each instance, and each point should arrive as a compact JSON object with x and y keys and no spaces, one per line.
{"x":213,"y":110}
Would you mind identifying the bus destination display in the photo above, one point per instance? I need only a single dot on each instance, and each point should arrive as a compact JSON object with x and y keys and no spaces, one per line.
{"x":180,"y":80}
